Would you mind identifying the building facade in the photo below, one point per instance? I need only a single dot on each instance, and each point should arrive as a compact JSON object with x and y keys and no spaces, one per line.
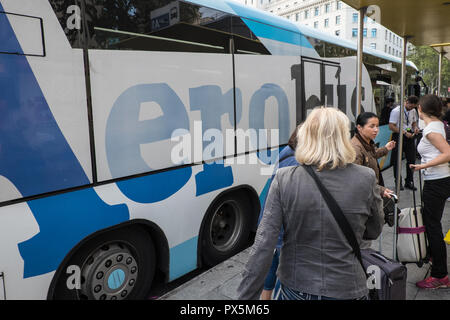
{"x":335,"y":17}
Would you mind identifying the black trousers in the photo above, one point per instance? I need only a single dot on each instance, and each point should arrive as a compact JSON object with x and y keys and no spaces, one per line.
{"x":409,"y":148}
{"x":435,"y":194}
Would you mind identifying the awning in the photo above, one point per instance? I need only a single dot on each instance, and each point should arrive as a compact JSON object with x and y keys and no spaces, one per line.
{"x":425,"y":21}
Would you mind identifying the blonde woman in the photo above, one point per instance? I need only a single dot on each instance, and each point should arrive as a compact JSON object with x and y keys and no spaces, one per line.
{"x":316,"y":261}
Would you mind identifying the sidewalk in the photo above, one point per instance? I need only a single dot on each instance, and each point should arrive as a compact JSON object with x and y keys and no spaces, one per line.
{"x":221,"y":282}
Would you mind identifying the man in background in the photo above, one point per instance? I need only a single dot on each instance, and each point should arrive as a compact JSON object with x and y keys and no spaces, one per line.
{"x":386,"y":111}
{"x":410,"y":130}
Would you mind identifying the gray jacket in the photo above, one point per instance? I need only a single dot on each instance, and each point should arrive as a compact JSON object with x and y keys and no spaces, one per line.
{"x":316,"y":258}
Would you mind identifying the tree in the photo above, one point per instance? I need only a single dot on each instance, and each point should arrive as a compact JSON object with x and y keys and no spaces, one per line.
{"x":427,"y":60}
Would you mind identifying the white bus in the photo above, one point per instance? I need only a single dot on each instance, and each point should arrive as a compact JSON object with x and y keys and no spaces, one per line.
{"x":92,"y":93}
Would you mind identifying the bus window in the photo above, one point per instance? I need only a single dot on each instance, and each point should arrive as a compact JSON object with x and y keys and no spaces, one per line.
{"x":245,"y":41}
{"x":157,"y":26}
{"x":69,"y":17}
{"x":28,"y":31}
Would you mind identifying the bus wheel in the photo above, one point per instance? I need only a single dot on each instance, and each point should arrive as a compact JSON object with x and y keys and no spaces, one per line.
{"x":226,"y":230}
{"x":117,"y":265}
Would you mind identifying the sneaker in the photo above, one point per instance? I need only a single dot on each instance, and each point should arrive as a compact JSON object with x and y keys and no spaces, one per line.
{"x":434,"y":283}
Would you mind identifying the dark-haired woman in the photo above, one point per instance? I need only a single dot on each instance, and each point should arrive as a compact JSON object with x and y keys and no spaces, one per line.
{"x":367,"y":128}
{"x":435,"y":152}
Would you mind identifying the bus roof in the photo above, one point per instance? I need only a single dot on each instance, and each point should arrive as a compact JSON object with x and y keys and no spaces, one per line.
{"x":237,"y":8}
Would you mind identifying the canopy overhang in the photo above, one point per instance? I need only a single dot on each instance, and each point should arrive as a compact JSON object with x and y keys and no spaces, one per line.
{"x":423,"y":22}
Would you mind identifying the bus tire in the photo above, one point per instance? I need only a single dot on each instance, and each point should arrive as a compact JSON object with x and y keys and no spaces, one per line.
{"x":226,"y":230}
{"x":116,"y":265}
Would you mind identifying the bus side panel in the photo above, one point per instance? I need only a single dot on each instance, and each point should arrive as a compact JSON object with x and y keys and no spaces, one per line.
{"x":268,"y":97}
{"x":45,"y":143}
{"x":142,"y":99}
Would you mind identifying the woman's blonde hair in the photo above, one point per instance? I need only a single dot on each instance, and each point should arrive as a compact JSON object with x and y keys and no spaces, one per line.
{"x":324,"y":139}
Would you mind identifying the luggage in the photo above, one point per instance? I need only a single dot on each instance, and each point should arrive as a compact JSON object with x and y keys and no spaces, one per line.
{"x":411,"y":237}
{"x":388,"y":278}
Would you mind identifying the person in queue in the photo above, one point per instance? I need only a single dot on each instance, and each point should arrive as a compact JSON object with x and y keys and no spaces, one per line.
{"x":312,"y":266}
{"x":435,"y":152}
{"x":367,"y":128}
{"x":286,"y":159}
{"x":410,"y":130}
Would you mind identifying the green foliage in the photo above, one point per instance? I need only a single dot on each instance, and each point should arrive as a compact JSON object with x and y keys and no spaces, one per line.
{"x":427,"y":60}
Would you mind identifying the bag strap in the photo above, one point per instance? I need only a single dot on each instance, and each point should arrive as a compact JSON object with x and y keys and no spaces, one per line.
{"x":338,"y":215}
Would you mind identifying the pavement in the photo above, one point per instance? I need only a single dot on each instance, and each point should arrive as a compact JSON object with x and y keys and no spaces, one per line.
{"x":221,"y":281}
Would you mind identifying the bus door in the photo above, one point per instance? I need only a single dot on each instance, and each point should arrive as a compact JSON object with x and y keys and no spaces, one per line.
{"x":321,"y":85}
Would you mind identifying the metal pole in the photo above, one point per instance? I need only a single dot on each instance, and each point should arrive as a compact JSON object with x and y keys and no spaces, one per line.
{"x":400,"y":141}
{"x":441,"y":55}
{"x":362,"y":13}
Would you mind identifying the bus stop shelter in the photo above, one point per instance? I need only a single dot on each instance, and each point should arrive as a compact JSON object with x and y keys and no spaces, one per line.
{"x":416,"y":21}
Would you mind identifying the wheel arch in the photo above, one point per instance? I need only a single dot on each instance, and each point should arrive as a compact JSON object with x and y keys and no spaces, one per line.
{"x":251,"y":195}
{"x":159,"y":241}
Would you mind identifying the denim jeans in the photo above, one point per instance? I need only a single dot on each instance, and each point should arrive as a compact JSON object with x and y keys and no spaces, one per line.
{"x":289,"y":294}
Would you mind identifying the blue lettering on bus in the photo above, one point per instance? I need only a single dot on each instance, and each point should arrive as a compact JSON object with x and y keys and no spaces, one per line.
{"x":257,"y":112}
{"x":212,"y":105}
{"x":64,"y":220}
{"x":125,"y":133}
{"x":36,"y":158}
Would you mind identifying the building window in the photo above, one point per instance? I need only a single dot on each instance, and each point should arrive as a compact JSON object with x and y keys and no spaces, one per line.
{"x":296,"y":17}
{"x":386,"y":36}
{"x":316,"y":24}
{"x":365,"y":32}
{"x":338,"y":20}
{"x":306,"y":14}
{"x":338,"y":5}
{"x":327,"y":8}
{"x":355,"y":18}
{"x":389,"y":50}
{"x":374,"y":33}
{"x":373,"y":46}
{"x":354,"y":32}
{"x":316,"y":11}
{"x":326,"y":23}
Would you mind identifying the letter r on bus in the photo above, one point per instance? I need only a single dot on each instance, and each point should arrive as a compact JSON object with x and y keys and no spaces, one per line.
{"x":74,"y":278}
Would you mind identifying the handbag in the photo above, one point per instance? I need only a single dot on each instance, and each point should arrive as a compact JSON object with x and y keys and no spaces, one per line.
{"x":389,"y":209}
{"x":392,"y":280}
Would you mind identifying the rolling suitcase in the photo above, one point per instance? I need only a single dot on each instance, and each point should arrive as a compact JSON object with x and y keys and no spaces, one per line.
{"x":387,"y":280}
{"x":411,"y":237}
